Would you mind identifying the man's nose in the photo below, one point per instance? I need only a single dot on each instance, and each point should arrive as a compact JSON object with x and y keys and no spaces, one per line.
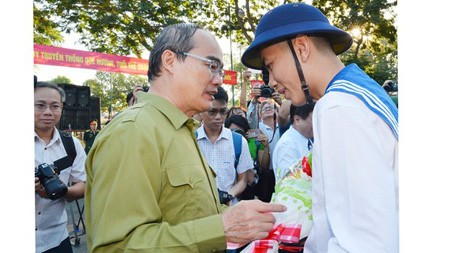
{"x":272,"y":82}
{"x":217,"y":80}
{"x":47,"y":109}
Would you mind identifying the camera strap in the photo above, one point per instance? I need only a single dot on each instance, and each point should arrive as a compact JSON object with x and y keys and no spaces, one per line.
{"x":69,"y":146}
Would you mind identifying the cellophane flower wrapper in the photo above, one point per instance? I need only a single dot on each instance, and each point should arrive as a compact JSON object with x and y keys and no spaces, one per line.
{"x":295,"y":192}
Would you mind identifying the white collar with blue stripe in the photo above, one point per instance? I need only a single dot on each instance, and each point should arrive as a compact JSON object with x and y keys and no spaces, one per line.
{"x":352,"y":80}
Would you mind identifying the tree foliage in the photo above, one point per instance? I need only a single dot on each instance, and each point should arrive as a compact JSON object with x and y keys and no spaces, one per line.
{"x":114,"y":26}
{"x":372,"y":26}
{"x":60,"y":79}
{"x":124,"y":27}
{"x":46,"y":32}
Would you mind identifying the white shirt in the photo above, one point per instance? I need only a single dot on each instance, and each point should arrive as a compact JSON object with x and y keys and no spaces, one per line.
{"x":220,"y":157}
{"x":355,"y":179}
{"x":272,"y":138}
{"x":50,"y":215}
{"x":252,"y":115}
{"x":289,"y":149}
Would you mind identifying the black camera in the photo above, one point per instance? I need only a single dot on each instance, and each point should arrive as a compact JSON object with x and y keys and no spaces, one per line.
{"x":48,"y":176}
{"x":224,"y":197}
{"x":266,"y":90}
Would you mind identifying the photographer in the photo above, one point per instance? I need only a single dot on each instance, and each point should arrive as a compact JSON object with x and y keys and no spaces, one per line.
{"x":51,"y":189}
{"x":253,"y":107}
{"x":261,"y":93}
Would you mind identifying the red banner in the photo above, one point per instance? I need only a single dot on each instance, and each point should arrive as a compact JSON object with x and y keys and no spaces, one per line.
{"x":230,"y":77}
{"x":58,"y":56}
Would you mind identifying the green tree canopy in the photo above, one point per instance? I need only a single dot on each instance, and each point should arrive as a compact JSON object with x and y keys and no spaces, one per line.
{"x":124,"y":27}
{"x":372,"y":26}
{"x":60,"y":79}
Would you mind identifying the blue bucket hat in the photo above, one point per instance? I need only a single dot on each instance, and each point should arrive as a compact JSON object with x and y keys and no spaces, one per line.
{"x":287,"y":21}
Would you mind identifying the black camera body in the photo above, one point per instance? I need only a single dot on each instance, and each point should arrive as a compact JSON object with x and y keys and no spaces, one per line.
{"x":266,"y":91}
{"x":224,"y":197}
{"x":48,"y":176}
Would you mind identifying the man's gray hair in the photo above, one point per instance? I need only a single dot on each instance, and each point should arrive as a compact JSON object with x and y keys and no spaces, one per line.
{"x":51,"y":86}
{"x":176,"y":38}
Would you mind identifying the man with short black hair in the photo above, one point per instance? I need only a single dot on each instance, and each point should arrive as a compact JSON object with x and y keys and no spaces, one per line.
{"x":51,"y":218}
{"x":217,"y":146}
{"x":89,"y":135}
{"x":294,"y":143}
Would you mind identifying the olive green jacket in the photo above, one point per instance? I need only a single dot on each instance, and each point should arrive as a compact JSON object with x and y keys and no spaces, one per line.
{"x":148,"y":187}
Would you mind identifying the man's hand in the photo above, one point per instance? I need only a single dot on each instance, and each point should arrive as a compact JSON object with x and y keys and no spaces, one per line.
{"x":249,"y":220}
{"x":277,"y":97}
{"x":256,"y":92}
{"x":39,"y":189}
{"x":262,"y":138}
{"x":247,"y":74}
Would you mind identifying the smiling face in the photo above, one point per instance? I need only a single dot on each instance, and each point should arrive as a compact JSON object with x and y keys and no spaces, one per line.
{"x":267,"y":110}
{"x":282,"y":72}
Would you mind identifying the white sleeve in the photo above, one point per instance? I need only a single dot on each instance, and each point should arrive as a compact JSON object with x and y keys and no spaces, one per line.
{"x":283,"y":157}
{"x":252,"y":115}
{"x":356,"y":166}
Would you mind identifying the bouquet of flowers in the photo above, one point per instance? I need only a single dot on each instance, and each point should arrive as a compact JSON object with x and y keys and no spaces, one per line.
{"x":293,"y":191}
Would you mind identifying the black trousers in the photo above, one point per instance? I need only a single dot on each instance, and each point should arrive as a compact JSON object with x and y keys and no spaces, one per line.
{"x":64,"y":247}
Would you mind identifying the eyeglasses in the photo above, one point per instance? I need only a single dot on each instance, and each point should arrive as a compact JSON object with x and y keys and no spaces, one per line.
{"x":214,"y":66}
{"x":43,"y":107}
{"x":214,"y":112}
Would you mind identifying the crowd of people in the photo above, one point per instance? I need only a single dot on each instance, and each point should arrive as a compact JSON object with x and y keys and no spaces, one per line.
{"x":180,"y":171}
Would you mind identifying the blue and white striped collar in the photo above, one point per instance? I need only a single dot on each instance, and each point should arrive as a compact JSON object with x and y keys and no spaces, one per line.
{"x":352,"y":80}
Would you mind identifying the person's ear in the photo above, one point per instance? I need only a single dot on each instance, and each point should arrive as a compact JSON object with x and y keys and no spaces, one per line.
{"x":302,"y":45}
{"x":295,"y":120}
{"x":168,"y":59}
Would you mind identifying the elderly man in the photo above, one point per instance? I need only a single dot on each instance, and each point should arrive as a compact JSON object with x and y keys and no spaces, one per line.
{"x":149,"y":189}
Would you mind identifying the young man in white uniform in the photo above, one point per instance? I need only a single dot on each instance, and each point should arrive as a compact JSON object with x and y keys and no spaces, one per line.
{"x":355,"y":123}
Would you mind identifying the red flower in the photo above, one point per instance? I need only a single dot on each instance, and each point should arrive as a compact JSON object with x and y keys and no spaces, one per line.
{"x":306,"y":167}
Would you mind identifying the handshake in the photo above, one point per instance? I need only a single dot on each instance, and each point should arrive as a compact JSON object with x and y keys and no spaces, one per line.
{"x":224,"y":197}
